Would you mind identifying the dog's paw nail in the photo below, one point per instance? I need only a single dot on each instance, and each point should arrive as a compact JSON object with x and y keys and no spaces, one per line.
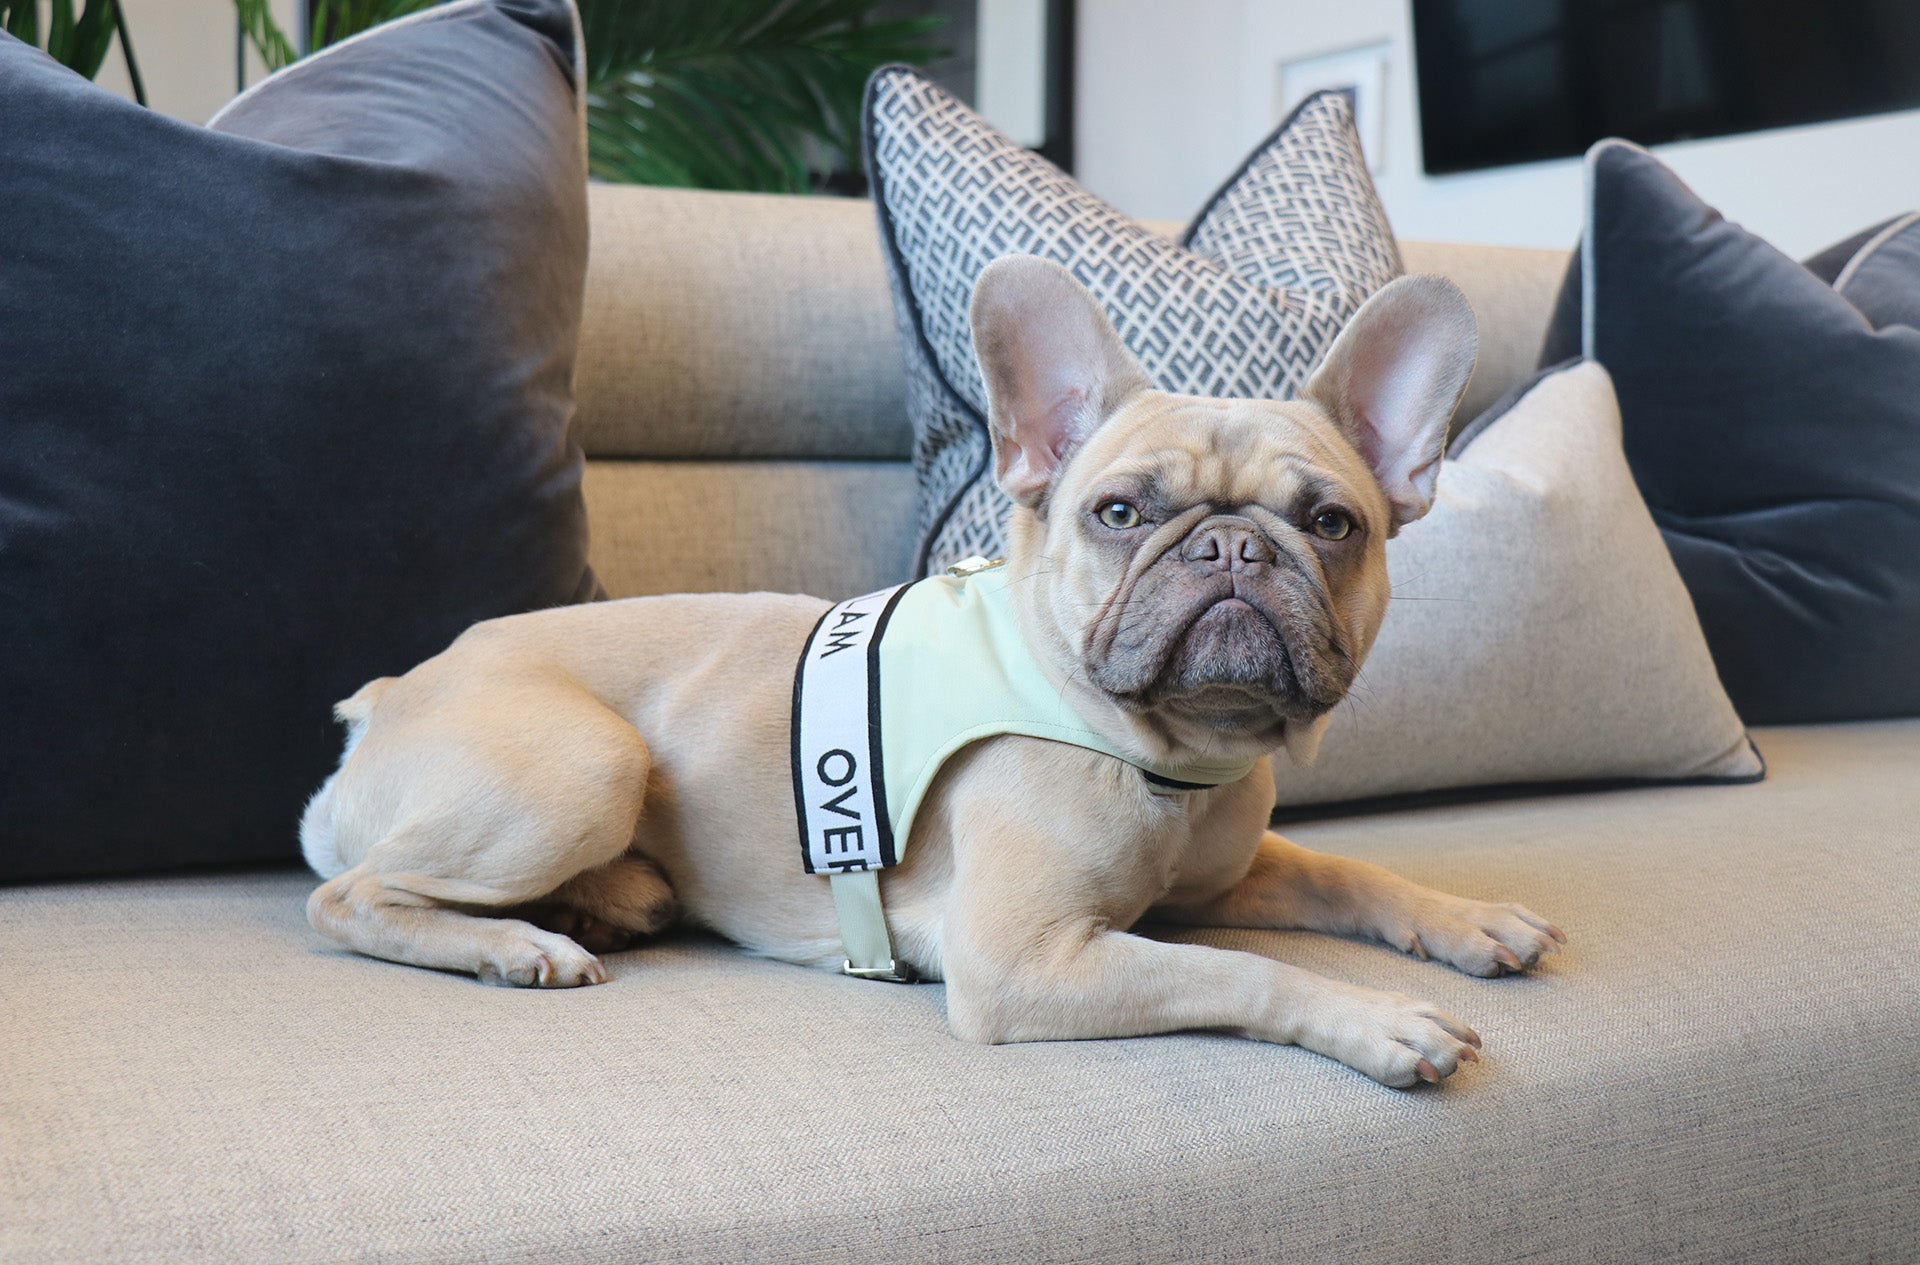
{"x":1418,"y":949}
{"x":1469,"y":1055}
{"x":1426,"y":1072}
{"x":1504,"y":956}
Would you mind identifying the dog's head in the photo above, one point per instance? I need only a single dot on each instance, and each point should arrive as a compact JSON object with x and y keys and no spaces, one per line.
{"x":1213,"y":569}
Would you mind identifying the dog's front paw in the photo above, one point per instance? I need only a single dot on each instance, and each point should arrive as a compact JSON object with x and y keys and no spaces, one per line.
{"x":524,"y":956}
{"x":1478,"y":937}
{"x":1397,"y":1040}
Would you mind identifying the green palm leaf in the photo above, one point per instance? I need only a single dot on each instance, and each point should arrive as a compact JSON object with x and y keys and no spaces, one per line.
{"x":716,"y":94}
{"x":337,"y":19}
{"x":734,"y":94}
{"x":275,"y":49}
{"x":76,"y":42}
{"x":333,"y":20}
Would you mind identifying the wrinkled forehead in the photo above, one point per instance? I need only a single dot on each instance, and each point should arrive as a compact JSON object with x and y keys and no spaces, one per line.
{"x":1225,"y":452}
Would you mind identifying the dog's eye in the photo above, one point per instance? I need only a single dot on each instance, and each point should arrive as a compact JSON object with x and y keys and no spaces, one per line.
{"x":1332,"y":524}
{"x":1119,"y":515}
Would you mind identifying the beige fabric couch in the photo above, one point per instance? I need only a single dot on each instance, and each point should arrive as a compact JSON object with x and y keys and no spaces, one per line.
{"x":1715,"y":1070}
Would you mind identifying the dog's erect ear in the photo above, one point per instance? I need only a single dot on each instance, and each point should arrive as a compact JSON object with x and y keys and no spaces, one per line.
{"x":1054,"y":369}
{"x":1392,"y":379}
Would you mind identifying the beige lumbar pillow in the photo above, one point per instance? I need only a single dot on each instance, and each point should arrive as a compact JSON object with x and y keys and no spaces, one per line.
{"x":1538,"y":630}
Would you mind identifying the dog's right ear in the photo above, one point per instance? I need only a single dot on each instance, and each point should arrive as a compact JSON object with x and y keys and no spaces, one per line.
{"x":1392,"y":379}
{"x":1053,"y":365}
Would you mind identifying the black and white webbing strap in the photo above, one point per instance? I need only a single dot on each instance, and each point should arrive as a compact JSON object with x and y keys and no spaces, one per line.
{"x":839,"y":782}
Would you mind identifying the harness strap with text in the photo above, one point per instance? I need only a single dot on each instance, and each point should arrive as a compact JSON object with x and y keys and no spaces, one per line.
{"x":959,"y":673}
{"x":839,"y":783}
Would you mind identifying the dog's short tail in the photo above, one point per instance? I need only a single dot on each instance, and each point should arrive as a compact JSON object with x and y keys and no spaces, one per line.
{"x":353,"y":711}
{"x":316,"y":823}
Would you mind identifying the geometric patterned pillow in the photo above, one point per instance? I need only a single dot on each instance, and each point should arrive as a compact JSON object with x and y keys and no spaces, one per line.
{"x":1243,"y":306}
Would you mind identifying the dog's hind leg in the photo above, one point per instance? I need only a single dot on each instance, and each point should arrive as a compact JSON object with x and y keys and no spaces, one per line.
{"x":519,"y":817}
{"x":606,"y":908}
{"x":411,"y":918}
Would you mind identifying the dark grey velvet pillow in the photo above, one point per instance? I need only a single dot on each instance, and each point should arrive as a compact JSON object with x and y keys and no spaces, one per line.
{"x":1774,"y":428}
{"x":1882,"y":278}
{"x":1876,"y":269}
{"x":1831,"y":262}
{"x":283,"y":407}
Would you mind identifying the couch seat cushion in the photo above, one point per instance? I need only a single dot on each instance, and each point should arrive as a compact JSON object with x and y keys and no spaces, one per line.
{"x":1714,"y":1070}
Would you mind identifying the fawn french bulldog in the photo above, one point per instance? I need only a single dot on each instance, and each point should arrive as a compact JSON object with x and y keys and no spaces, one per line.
{"x":1001,"y":772}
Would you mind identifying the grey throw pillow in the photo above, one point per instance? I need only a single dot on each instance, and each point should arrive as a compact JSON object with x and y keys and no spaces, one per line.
{"x":1772,"y":421}
{"x":1243,"y":307}
{"x":1882,"y":278}
{"x":1538,"y":631}
{"x":284,"y":406}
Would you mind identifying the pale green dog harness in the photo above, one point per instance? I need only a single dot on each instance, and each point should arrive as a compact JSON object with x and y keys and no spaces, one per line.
{"x":889,"y":686}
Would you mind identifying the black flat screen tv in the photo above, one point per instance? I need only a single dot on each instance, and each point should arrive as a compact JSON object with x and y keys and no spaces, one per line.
{"x":1514,"y":81}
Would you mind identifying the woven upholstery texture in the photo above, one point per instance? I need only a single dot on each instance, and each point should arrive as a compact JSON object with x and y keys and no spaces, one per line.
{"x":1716,"y":1070}
{"x":725,"y":325}
{"x":744,"y":325}
{"x":831,"y":528}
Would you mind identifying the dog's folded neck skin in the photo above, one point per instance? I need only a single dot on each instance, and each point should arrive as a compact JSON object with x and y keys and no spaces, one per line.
{"x":1203,"y":578}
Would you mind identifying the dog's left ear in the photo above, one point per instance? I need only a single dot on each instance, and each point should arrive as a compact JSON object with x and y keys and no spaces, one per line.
{"x":1392,"y":379}
{"x":1054,"y":369}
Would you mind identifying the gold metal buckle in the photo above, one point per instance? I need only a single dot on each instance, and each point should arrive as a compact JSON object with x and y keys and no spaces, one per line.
{"x":894,"y":972}
{"x":974,"y":566}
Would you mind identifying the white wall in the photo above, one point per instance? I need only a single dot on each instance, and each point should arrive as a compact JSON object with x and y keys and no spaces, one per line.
{"x":1170,"y":96}
{"x":185,"y":51}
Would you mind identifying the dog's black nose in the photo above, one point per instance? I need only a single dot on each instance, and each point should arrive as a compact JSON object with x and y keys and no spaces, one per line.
{"x":1228,"y":545}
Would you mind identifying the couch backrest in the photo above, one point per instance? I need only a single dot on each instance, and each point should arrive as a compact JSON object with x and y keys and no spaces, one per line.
{"x":726,"y":325}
